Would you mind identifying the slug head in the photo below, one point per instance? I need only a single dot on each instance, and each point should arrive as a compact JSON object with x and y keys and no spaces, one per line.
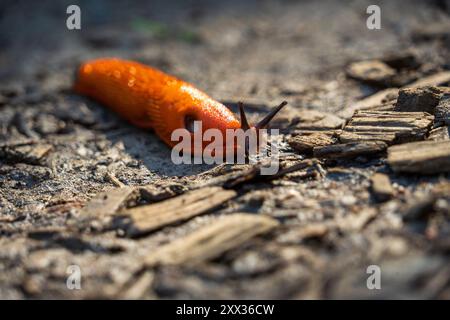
{"x":214,"y":115}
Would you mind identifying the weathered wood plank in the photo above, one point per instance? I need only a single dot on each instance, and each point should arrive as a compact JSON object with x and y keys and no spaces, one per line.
{"x":392,"y":93}
{"x":431,"y":80}
{"x":25,"y":153}
{"x":306,"y":143}
{"x":388,"y":126}
{"x":147,"y":218}
{"x":442,"y":111}
{"x":107,"y":203}
{"x":419,"y":99}
{"x":420,"y":157}
{"x":211,"y":241}
{"x":350,"y":150}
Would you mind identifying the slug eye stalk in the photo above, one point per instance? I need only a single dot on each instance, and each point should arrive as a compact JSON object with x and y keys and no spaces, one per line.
{"x":260,"y":125}
{"x":264,"y":122}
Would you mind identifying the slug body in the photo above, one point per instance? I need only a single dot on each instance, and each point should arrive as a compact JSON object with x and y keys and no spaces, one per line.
{"x":149,"y":98}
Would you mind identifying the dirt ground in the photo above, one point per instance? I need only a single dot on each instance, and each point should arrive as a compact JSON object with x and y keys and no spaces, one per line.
{"x":59,"y":150}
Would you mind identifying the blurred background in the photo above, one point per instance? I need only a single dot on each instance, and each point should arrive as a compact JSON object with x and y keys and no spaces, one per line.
{"x":228,"y":48}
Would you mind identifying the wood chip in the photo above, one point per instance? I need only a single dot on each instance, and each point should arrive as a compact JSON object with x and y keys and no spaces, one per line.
{"x":147,"y":218}
{"x":418,"y":99}
{"x":211,"y":241}
{"x":378,"y":98}
{"x":312,"y":167}
{"x":425,"y":157}
{"x":388,"y":126}
{"x":350,"y":150}
{"x":306,"y":143}
{"x":25,"y":153}
{"x":253,"y":173}
{"x":442,"y":111}
{"x":152,"y":193}
{"x":436,"y":79}
{"x":382,"y":187}
{"x":229,"y":179}
{"x":372,"y":71}
{"x":107,"y":203}
{"x":113,"y":179}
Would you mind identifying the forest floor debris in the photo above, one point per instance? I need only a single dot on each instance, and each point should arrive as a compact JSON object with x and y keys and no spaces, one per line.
{"x":364,"y":159}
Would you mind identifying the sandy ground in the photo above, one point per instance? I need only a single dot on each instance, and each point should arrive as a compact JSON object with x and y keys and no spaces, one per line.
{"x":261,"y":52}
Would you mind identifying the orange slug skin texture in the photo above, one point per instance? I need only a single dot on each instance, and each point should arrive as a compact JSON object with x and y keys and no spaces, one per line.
{"x":149,"y":98}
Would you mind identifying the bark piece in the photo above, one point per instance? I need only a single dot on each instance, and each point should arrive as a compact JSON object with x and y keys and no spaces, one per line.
{"x":350,"y":150}
{"x":435,"y":79}
{"x":26,"y":153}
{"x":388,"y":126}
{"x":107,"y":203}
{"x":229,"y":178}
{"x":372,"y":72}
{"x":418,"y":99}
{"x":442,"y":111}
{"x":254,"y":173}
{"x":211,"y":241}
{"x":152,"y":193}
{"x":147,"y":218}
{"x":306,"y":143}
{"x":382,"y":96}
{"x":425,"y":157}
{"x":382,"y":187}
